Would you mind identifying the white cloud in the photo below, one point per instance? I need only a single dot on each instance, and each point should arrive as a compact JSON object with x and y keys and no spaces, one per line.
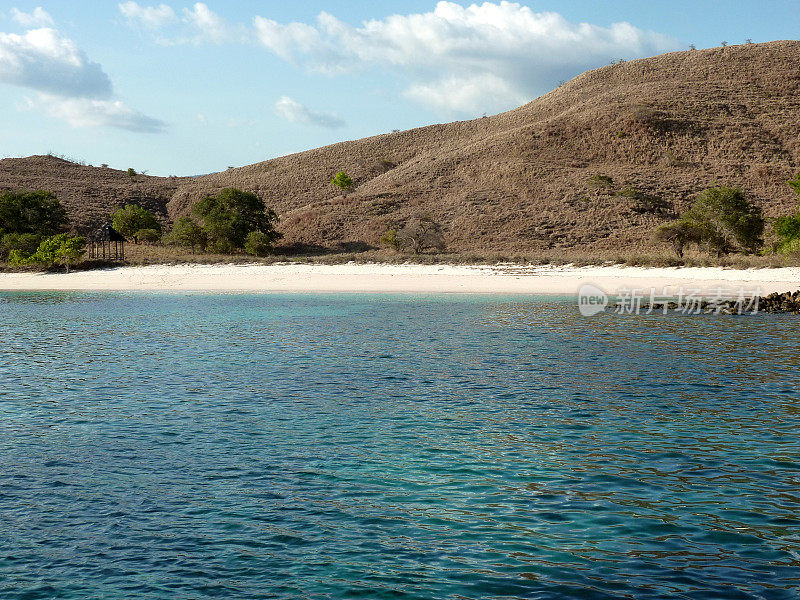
{"x":150,"y":17}
{"x":501,"y":52}
{"x":209,"y":26}
{"x":91,"y":113}
{"x":70,"y":86}
{"x":294,"y":112}
{"x":44,"y":61}
{"x":38,"y":18}
{"x":466,"y":94}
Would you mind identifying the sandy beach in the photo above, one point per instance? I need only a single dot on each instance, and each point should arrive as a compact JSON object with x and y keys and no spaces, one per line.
{"x":409,"y":278}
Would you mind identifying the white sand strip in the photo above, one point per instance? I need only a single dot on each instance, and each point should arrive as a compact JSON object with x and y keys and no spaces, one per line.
{"x":502,"y":279}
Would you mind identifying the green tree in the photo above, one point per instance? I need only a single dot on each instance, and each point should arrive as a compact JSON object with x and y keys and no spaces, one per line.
{"x":788,"y":228}
{"x":231,"y":215}
{"x":37,"y":212}
{"x":148,"y":236}
{"x":727,"y":220}
{"x":62,"y":249}
{"x":132,"y":173}
{"x":23,"y":244}
{"x":679,"y":234}
{"x":188,"y":234}
{"x":258,"y":243}
{"x":343,"y":182}
{"x":132,"y":219}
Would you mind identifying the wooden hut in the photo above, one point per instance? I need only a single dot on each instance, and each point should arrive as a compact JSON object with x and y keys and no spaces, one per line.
{"x":107,"y":243}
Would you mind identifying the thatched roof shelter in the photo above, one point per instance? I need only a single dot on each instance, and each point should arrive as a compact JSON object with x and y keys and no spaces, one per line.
{"x":107,"y":243}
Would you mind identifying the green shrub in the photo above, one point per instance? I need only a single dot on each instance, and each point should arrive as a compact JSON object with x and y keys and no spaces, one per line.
{"x":188,"y":234}
{"x":258,"y":243}
{"x":391,"y":240}
{"x":148,"y":236}
{"x":37,"y":212}
{"x":728,"y":220}
{"x":229,"y":218}
{"x":24,"y":244}
{"x":343,"y":182}
{"x":62,"y":249}
{"x":601,"y":181}
{"x":132,"y":219}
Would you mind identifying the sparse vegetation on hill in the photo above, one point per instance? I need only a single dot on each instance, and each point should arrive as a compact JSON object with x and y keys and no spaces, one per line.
{"x":667,"y":127}
{"x":342,"y":181}
{"x":660,"y":130}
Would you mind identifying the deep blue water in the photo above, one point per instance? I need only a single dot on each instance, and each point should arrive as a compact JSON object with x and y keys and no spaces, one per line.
{"x":290,"y":446}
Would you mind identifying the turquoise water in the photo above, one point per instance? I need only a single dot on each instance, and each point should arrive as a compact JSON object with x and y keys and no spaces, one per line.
{"x":190,"y":446}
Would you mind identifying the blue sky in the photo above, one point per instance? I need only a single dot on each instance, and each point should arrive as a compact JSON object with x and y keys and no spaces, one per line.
{"x":187,"y":88}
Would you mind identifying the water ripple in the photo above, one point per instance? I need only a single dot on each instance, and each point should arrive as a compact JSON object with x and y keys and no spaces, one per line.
{"x":191,"y":446}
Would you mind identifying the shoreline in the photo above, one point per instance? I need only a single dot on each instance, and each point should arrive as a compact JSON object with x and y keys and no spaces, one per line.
{"x":405,"y":278}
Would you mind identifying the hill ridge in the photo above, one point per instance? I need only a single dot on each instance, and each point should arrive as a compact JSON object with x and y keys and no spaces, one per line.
{"x":663,"y":128}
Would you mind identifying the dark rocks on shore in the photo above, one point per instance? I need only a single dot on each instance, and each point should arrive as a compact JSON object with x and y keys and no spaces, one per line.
{"x":786,"y":303}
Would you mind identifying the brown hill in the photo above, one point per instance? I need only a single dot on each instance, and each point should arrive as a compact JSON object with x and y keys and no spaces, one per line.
{"x":662,"y":129}
{"x":90,"y":194}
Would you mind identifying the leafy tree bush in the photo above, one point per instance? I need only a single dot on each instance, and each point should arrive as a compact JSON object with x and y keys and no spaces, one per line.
{"x":37,"y":212}
{"x":188,"y":234}
{"x":421,"y":233}
{"x":132,"y":219}
{"x":258,"y":243}
{"x":788,"y":228}
{"x":391,"y":240}
{"x":680,"y":234}
{"x":229,"y":217}
{"x":23,"y":244}
{"x":343,"y":182}
{"x":132,"y":173}
{"x":62,"y":249}
{"x":727,"y":220}
{"x":148,"y":236}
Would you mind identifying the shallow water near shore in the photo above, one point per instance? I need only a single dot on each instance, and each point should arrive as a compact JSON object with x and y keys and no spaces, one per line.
{"x":355,"y":446}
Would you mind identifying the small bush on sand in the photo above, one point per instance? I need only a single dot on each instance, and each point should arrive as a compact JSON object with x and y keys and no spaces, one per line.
{"x":62,"y":249}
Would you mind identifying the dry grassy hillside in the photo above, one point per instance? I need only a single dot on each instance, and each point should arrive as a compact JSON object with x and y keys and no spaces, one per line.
{"x":90,"y":194}
{"x":664,"y":128}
